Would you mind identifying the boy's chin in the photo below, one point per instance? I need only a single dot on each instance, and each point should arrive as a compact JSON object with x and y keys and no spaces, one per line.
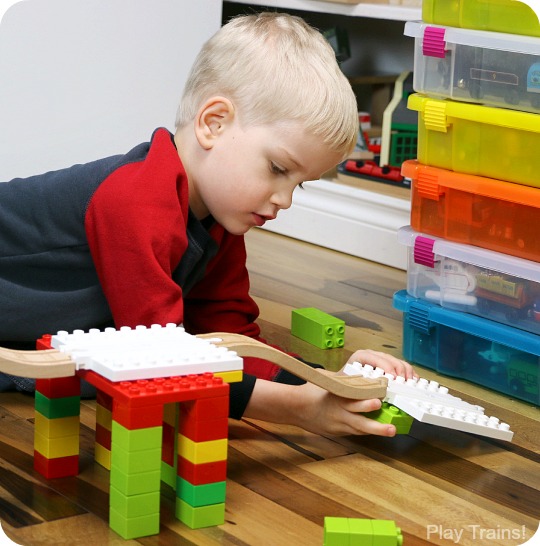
{"x":235,"y":228}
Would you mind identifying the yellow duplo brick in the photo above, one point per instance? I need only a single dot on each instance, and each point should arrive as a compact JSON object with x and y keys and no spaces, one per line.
{"x":52,"y":448}
{"x":170,"y":414}
{"x":234,"y":376}
{"x":56,"y":428}
{"x":103,"y":417}
{"x":202,"y":452}
{"x":102,"y":455}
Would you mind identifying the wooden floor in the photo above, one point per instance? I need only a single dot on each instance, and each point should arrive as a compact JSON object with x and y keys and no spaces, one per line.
{"x":440,"y":486}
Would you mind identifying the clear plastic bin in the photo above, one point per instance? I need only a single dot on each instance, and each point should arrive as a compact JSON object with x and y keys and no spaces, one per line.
{"x":489,"y":68}
{"x":475,"y":210}
{"x":456,"y":344}
{"x":473,"y":280}
{"x":510,"y":16}
{"x":482,"y":140}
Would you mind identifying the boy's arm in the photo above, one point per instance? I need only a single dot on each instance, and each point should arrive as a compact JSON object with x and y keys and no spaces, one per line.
{"x":135,"y":225}
{"x":314,"y":409}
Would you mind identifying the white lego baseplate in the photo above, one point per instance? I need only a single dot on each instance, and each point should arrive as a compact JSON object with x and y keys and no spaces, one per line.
{"x":144,"y":353}
{"x":429,"y":402}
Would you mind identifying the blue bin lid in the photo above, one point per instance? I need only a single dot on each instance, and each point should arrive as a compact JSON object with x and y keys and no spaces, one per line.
{"x":428,"y":313}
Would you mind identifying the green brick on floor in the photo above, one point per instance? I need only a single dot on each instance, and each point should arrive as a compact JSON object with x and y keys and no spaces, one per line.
{"x":361,"y":532}
{"x":130,"y":528}
{"x":318,"y":328}
{"x":135,"y":484}
{"x":134,"y":506}
{"x":200,"y":516}
{"x":200,"y":495}
{"x":136,"y":440}
{"x":385,"y":533}
{"x":53,"y":408}
{"x":336,"y":532}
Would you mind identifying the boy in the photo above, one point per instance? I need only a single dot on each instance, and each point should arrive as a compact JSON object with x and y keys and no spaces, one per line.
{"x":156,"y":235}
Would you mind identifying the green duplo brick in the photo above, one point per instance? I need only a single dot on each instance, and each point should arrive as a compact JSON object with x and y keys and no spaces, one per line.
{"x":136,"y":462}
{"x":392,"y":415}
{"x":318,"y":328}
{"x":134,"y":506}
{"x":361,"y":531}
{"x":139,"y":439}
{"x":200,"y":495}
{"x":135,"y":484}
{"x":385,"y":533}
{"x":336,"y":532}
{"x":53,"y":408}
{"x":129,"y":528}
{"x":168,"y":474}
{"x":200,"y":516}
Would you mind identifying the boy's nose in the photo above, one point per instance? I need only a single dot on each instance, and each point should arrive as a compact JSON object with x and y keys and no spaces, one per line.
{"x":282,"y":199}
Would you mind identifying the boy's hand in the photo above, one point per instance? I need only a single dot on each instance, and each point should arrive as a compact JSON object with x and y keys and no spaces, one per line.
{"x":324,"y":413}
{"x":387,"y":362}
{"x":316,"y":410}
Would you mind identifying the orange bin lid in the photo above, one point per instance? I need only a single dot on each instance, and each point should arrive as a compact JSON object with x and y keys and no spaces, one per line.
{"x":480,"y":185}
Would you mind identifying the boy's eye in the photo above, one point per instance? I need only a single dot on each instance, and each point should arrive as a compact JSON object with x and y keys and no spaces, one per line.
{"x":275,"y":169}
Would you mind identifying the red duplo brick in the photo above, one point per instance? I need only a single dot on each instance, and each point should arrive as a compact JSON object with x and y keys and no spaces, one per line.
{"x":44,"y":342}
{"x":203,"y":431}
{"x":56,"y":468}
{"x":61,"y":387}
{"x":103,"y":436}
{"x":200,"y":474}
{"x":205,"y":408}
{"x":104,"y":400}
{"x":149,"y":392}
{"x":135,"y":418}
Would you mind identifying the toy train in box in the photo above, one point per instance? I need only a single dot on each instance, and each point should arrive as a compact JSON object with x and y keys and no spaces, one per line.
{"x":500,"y":297}
{"x":370,"y":170}
{"x":483,"y":72}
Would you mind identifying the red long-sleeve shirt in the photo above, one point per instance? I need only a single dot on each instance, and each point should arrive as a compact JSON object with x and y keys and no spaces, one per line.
{"x":116,"y":242}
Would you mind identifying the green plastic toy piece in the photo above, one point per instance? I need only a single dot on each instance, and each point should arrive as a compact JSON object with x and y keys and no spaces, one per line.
{"x":361,"y":532}
{"x":318,"y":328}
{"x":392,"y":415}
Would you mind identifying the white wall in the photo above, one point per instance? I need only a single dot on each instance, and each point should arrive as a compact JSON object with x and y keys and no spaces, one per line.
{"x":83,"y":79}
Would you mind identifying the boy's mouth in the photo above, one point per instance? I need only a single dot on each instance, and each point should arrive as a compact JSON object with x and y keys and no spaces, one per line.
{"x":258,"y":219}
{"x":261,"y":219}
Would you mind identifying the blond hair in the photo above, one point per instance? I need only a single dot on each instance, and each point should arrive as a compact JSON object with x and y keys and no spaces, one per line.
{"x":275,"y":67}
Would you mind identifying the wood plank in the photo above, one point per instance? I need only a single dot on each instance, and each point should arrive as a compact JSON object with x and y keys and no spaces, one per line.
{"x":414,"y":500}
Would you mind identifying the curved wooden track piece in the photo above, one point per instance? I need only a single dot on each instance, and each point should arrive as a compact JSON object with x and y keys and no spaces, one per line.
{"x":47,"y":364}
{"x":353,"y":387}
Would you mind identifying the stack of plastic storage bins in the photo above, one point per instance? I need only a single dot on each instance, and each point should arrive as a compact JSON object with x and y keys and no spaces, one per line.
{"x":472,"y":305}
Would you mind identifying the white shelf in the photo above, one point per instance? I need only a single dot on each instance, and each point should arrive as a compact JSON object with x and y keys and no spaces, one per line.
{"x":375,"y":11}
{"x":347,"y":219}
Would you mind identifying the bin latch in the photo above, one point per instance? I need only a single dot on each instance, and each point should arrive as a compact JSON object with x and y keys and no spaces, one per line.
{"x":423,"y":251}
{"x":434,"y":44}
{"x":419,"y":317}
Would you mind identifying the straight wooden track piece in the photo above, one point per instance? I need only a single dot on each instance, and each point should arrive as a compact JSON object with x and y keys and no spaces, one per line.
{"x":352,"y":387}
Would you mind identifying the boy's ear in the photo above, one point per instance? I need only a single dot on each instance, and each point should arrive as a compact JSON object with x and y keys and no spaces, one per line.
{"x":213,"y":116}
